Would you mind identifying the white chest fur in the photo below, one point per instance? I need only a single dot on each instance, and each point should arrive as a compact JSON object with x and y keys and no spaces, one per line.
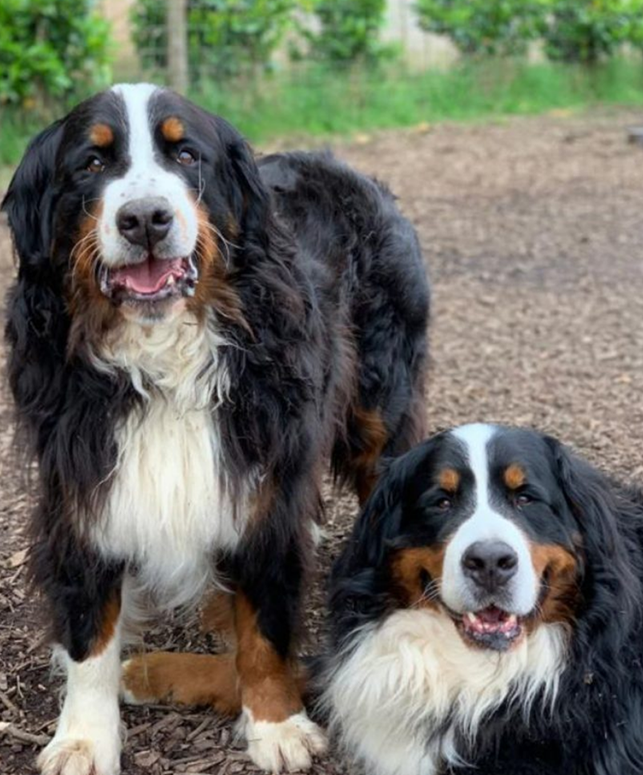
{"x":168,"y":507}
{"x":411,"y":674}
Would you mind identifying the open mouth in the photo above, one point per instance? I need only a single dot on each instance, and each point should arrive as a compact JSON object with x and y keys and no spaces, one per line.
{"x":154,"y":279}
{"x":490,"y":628}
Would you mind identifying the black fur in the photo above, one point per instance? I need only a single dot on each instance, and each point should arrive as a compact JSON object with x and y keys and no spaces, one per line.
{"x":334,"y":302}
{"x":595,"y":726}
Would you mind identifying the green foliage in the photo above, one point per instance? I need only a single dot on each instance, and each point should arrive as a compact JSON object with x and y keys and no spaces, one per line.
{"x":324,"y":101}
{"x":51,"y":49}
{"x":349,"y":31}
{"x":225,"y":37}
{"x":590,"y":30}
{"x":490,"y":27}
{"x":316,"y":101}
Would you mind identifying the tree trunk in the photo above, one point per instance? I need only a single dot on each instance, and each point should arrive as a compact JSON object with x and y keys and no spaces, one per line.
{"x":177,"y":45}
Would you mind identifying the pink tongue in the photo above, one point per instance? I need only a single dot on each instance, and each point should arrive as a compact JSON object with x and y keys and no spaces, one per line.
{"x":149,"y":276}
{"x":492,"y":615}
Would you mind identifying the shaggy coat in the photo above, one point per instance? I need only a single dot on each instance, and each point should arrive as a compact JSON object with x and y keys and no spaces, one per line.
{"x":448,"y":658}
{"x":192,"y":336}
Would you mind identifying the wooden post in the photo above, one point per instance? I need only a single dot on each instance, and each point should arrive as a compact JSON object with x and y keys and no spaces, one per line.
{"x":177,"y":45}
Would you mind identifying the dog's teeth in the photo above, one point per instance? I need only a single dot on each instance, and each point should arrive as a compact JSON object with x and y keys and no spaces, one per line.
{"x":512,"y":619}
{"x":471,"y":617}
{"x":170,"y":280}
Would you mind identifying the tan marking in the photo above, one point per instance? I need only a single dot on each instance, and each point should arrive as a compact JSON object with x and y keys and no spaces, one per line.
{"x":232,"y":226}
{"x":91,"y":312}
{"x":449,"y":479}
{"x":218,"y":616}
{"x":214,"y":288}
{"x":172,"y":129}
{"x":262,"y":499}
{"x":187,"y":679}
{"x":559,"y":570}
{"x":514,"y":476}
{"x":269,"y":684}
{"x":109,"y":620}
{"x":101,"y":135}
{"x":406,"y":573}
{"x":372,"y":440}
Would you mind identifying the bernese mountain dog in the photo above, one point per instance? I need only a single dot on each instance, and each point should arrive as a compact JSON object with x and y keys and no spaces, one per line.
{"x":486,"y":614}
{"x":192,"y":337}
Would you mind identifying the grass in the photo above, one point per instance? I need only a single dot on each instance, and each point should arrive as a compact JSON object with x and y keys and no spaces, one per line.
{"x":307,"y":101}
{"x":318,"y":103}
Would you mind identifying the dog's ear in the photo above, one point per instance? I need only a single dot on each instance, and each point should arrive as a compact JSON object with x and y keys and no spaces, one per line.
{"x":29,"y":200}
{"x":247,"y":193}
{"x":36,"y":320}
{"x":358,"y":587}
{"x":380,"y":520}
{"x":606,"y":522}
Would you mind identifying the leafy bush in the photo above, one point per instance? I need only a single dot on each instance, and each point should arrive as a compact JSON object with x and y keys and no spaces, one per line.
{"x":50,"y":49}
{"x":225,"y":37}
{"x":582,"y":31}
{"x":349,"y":31}
{"x":589,"y":30}
{"x":493,"y":27}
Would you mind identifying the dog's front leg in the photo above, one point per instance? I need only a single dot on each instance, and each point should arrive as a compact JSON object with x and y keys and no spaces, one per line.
{"x":279,"y":733}
{"x":85,"y":596}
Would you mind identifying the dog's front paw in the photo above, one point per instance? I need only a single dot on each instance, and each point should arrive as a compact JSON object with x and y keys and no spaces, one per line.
{"x":283,"y":746}
{"x":77,"y":756}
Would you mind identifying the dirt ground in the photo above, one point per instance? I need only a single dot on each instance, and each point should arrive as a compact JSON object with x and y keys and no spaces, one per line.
{"x":533,"y":233}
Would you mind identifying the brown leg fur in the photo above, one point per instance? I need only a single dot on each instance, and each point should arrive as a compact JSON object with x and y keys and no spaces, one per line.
{"x":186,"y":679}
{"x":269,"y":685}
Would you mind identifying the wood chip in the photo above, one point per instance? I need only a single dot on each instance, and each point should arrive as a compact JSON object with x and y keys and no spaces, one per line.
{"x":6,"y":728}
{"x":16,"y":560}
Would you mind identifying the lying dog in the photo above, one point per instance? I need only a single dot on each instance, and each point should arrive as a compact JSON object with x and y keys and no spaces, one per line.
{"x":486,"y":614}
{"x":191,"y":339}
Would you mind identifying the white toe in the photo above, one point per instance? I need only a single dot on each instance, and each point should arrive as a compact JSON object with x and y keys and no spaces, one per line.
{"x":283,"y":746}
{"x":74,"y":756}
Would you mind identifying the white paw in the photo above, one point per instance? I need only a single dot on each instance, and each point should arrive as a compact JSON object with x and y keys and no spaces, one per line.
{"x":284,"y":746}
{"x":77,"y":756}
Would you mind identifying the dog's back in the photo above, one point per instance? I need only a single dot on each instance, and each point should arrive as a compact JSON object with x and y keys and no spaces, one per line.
{"x":365,"y":260}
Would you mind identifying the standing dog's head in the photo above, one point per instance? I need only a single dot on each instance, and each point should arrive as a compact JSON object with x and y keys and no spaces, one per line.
{"x":495,"y":528}
{"x":131,"y":204}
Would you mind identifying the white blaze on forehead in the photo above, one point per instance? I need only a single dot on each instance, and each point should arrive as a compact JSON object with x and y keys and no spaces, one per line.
{"x":485,"y":524}
{"x":136,"y":98}
{"x":145,"y":177}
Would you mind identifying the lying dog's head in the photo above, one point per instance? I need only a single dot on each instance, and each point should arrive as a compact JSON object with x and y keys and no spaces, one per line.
{"x":134,"y":200}
{"x":490,"y":526}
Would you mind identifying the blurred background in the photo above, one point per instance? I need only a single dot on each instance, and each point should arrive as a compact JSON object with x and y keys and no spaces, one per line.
{"x":283,"y":69}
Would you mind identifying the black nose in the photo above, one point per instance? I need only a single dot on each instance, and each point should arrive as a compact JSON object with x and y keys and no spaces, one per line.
{"x":490,"y":564}
{"x":146,"y":221}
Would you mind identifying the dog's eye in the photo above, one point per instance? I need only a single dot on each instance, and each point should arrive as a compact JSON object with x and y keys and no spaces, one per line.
{"x":185,"y":157}
{"x":523,"y":499}
{"x":95,"y":165}
{"x":444,"y":504}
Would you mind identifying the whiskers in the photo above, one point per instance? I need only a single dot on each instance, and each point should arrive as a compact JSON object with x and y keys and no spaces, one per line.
{"x":430,"y":594}
{"x":85,"y":202}
{"x":201,"y":184}
{"x":216,"y":233}
{"x":84,"y":257}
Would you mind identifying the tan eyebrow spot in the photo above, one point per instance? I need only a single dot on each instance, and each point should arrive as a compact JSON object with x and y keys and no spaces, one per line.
{"x":514,"y":476}
{"x":101,"y":135}
{"x":172,"y":129}
{"x":449,"y":479}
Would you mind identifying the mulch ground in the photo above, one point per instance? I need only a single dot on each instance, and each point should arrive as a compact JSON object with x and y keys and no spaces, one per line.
{"x":533,"y":233}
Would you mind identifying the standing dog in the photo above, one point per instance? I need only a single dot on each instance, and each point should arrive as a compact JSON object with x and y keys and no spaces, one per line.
{"x":487,"y":614}
{"x":191,"y":338}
